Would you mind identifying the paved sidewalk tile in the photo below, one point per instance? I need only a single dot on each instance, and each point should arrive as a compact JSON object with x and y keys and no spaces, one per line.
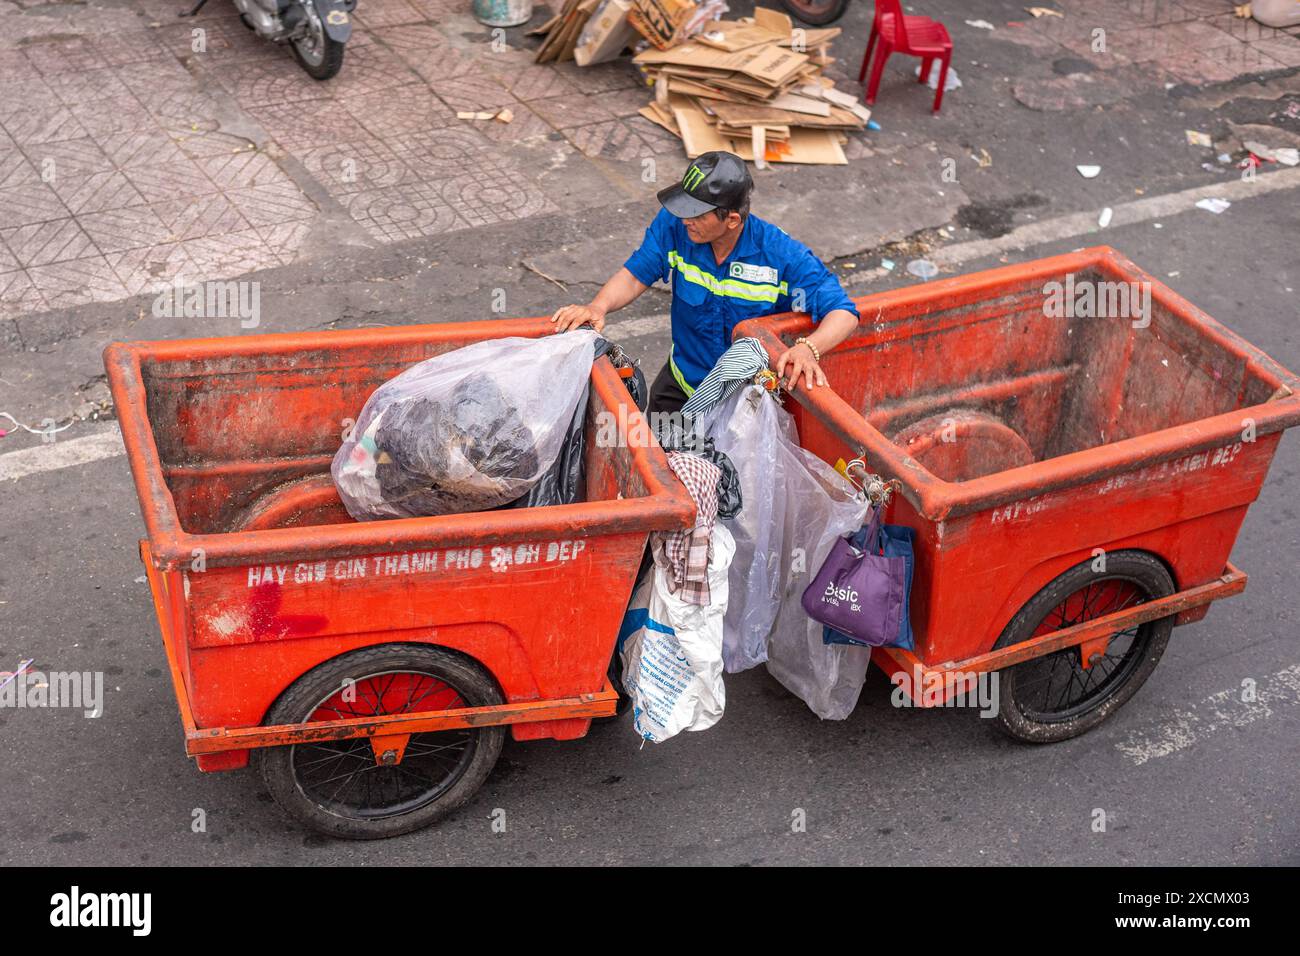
{"x":146,"y":268}
{"x":369,"y":69}
{"x":395,"y":213}
{"x":387,"y":13}
{"x":230,"y":254}
{"x":412,"y":108}
{"x":622,"y":139}
{"x":525,"y":125}
{"x":148,"y":146}
{"x":135,"y":146}
{"x":18,"y":294}
{"x":66,"y":56}
{"x":117,"y":230}
{"x":42,"y":243}
{"x":296,"y":128}
{"x":198,"y":216}
{"x":240,"y":170}
{"x":16,"y":169}
{"x":357,"y":166}
{"x":69,"y":159}
{"x":564,"y":112}
{"x":272,"y":203}
{"x":30,"y":202}
{"x":285,"y":238}
{"x":72,"y":282}
{"x":42,"y":124}
{"x":178,"y":177}
{"x":1283,"y":49}
{"x":1221,"y":64}
{"x":96,"y":192}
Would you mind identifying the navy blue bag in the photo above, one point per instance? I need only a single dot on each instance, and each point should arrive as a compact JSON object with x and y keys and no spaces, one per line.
{"x":894,"y":541}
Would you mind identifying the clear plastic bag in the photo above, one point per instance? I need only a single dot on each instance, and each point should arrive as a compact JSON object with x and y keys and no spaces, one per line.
{"x":796,"y":505}
{"x":468,"y":430}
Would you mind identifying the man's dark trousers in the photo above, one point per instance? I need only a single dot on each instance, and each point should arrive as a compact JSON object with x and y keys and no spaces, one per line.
{"x":665,"y":394}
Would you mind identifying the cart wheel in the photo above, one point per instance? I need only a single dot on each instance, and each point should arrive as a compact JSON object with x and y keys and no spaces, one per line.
{"x":337,"y":788}
{"x":1054,"y":697}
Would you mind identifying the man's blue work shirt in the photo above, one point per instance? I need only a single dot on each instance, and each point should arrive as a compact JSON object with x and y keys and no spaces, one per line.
{"x":766,"y":272}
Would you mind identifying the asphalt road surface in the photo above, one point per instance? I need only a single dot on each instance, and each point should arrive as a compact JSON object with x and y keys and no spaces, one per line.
{"x":1186,"y":773}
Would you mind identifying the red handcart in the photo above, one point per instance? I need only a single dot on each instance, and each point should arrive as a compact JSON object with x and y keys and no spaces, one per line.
{"x":1075,"y":446}
{"x":372,"y":667}
{"x":1076,"y":486}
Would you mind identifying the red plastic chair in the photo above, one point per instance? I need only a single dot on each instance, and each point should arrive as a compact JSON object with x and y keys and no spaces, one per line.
{"x":915,"y":36}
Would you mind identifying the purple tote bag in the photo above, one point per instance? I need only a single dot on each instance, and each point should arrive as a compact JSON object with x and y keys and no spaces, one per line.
{"x":859,"y":593}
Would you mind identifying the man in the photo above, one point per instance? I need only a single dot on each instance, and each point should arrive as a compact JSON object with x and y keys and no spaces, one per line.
{"x":726,"y":266}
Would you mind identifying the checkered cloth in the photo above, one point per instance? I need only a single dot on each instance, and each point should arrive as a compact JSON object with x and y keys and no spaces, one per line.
{"x":688,"y":552}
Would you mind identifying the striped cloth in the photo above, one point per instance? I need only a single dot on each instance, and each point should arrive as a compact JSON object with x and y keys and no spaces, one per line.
{"x":737,"y":366}
{"x":688,"y":552}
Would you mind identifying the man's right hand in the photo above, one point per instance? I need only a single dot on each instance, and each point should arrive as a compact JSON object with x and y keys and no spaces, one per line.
{"x":571,"y":317}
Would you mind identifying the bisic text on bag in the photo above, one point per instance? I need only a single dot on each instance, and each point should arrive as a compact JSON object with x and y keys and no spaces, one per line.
{"x":859,"y":591}
{"x":893,"y":542}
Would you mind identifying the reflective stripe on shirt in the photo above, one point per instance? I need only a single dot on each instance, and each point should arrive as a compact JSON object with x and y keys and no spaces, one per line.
{"x":684,"y":385}
{"x":749,"y":291}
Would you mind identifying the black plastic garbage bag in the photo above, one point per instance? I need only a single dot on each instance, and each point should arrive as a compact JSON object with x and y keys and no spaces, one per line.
{"x":565,"y":481}
{"x":673,"y":438}
{"x":469,"y":430}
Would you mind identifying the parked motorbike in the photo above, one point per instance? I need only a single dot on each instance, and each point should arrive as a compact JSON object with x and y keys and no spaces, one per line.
{"x":315,"y":30}
{"x":816,"y":12}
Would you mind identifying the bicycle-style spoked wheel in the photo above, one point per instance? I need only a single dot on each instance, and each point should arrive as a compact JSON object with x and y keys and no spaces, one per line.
{"x":1058,"y":687}
{"x":1055,"y":697}
{"x":338,"y":787}
{"x":342,"y":775}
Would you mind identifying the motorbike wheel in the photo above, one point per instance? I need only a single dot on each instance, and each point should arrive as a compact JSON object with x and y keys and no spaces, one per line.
{"x":817,"y":13}
{"x":315,"y":52}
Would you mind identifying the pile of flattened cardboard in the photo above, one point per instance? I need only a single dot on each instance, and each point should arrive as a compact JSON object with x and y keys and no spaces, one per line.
{"x":594,"y":31}
{"x":753,"y":87}
{"x":563,"y":30}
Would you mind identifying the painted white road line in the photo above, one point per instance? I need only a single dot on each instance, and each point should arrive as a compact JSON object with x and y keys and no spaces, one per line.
{"x":1188,"y":726}
{"x":1085,"y":223}
{"x":61,"y":454}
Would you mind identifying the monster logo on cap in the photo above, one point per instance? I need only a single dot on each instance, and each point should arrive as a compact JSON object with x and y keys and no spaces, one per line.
{"x":715,"y":180}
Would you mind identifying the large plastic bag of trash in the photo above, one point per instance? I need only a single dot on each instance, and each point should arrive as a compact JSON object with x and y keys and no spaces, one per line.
{"x":469,"y":430}
{"x":671,"y":650}
{"x":566,"y":480}
{"x":796,"y":505}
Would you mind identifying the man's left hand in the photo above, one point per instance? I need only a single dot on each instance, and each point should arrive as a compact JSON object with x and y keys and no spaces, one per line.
{"x":799,"y":360}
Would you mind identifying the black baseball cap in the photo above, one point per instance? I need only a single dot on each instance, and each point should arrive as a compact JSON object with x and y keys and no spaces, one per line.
{"x":716,"y":180}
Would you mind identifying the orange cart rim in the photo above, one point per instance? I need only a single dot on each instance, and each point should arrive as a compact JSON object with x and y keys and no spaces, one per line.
{"x":1057,"y":684}
{"x":341,"y":776}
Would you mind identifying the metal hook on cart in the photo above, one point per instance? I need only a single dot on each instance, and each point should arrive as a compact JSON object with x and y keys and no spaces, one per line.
{"x":768,"y":381}
{"x":873,"y":487}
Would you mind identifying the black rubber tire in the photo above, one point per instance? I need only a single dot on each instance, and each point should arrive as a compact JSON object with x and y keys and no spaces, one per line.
{"x":474,"y":684}
{"x":1147,"y":573}
{"x":816,"y":13}
{"x":330,"y":63}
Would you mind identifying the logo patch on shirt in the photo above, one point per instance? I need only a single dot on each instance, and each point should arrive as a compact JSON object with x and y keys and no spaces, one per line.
{"x":751,"y":273}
